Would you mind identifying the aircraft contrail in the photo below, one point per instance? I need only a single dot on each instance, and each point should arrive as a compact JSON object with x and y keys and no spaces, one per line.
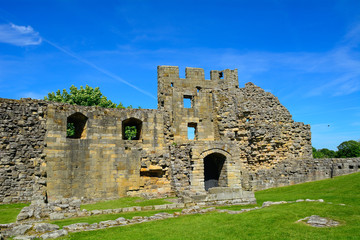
{"x":99,"y":68}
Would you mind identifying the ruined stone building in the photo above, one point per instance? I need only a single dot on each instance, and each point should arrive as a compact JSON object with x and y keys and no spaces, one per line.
{"x":244,"y":140}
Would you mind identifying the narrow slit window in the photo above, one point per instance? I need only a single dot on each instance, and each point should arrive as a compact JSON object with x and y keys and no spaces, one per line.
{"x":187,"y":101}
{"x":172,"y":84}
{"x":198,"y":89}
{"x":191,"y":131}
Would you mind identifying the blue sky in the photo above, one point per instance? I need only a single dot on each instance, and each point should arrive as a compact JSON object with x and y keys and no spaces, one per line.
{"x":307,"y":53}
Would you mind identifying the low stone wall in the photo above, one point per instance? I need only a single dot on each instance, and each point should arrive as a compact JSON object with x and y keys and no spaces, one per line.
{"x":291,"y":172}
{"x":221,"y":196}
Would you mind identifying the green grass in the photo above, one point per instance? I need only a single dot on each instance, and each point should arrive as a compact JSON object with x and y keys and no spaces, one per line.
{"x":8,"y":212}
{"x":104,"y":217}
{"x":124,"y":202}
{"x":342,"y":189}
{"x":275,"y":222}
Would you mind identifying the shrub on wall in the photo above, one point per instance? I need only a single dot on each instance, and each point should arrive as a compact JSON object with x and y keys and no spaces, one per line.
{"x":87,"y":96}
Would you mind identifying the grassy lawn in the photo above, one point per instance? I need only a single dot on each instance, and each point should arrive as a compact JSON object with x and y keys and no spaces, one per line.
{"x":8,"y":212}
{"x":124,"y":202}
{"x":275,"y":222}
{"x":342,"y":189}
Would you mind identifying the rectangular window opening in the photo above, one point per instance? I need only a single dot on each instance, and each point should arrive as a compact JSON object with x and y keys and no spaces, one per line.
{"x":192,"y":131}
{"x":172,"y":84}
{"x":221,"y":75}
{"x":187,"y":101}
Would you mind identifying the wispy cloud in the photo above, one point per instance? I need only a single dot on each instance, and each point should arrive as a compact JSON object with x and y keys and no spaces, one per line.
{"x":32,"y":95}
{"x":19,"y":35}
{"x":333,"y":73}
{"x":107,"y":73}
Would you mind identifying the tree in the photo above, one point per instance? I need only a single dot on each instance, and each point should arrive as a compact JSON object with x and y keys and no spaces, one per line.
{"x":317,"y":154}
{"x":87,"y":96}
{"x":327,"y":153}
{"x":323,"y":153}
{"x":130,"y":132}
{"x":349,"y":148}
{"x":70,"y":130}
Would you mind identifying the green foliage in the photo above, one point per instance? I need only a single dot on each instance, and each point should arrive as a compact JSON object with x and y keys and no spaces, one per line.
{"x":328,"y":153}
{"x":87,"y":96}
{"x":323,"y":153}
{"x":70,"y":130}
{"x":130,"y":132}
{"x":348,"y":149}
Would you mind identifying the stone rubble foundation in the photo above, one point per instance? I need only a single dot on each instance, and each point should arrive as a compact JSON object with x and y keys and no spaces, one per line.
{"x":32,"y":229}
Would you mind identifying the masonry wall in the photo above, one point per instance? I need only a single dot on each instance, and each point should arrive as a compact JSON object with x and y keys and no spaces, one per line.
{"x":263,"y":128}
{"x":247,"y":127}
{"x":291,"y":172}
{"x":102,"y":164}
{"x":22,"y":133}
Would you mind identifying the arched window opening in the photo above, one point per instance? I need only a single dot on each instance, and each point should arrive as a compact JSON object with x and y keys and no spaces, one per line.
{"x":214,"y":171}
{"x":131,"y":129}
{"x":75,"y":126}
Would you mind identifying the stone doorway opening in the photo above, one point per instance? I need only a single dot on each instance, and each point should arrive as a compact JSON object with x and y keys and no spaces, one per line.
{"x":215,"y":171}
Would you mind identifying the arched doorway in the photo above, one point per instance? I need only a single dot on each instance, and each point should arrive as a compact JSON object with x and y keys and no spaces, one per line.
{"x":214,"y":171}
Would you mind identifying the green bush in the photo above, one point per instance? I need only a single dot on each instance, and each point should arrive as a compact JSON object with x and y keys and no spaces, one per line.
{"x":70,"y":131}
{"x":130,"y":132}
{"x":87,"y":96}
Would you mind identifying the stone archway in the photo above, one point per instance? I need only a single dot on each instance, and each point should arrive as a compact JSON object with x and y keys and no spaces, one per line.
{"x":215,"y":174}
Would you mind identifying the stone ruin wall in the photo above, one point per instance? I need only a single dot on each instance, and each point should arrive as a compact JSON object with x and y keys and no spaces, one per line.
{"x":290,"y":172}
{"x":22,"y":144}
{"x":38,"y":161}
{"x":101,"y":164}
{"x":263,"y":146}
{"x":262,"y":127}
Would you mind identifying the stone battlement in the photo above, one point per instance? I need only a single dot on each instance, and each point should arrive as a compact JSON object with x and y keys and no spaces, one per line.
{"x":170,"y":75}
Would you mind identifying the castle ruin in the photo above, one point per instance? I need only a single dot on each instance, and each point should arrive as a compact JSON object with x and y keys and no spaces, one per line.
{"x":244,"y":140}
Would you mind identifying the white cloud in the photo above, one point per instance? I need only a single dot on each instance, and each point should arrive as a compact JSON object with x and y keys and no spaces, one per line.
{"x":32,"y":95}
{"x":19,"y":35}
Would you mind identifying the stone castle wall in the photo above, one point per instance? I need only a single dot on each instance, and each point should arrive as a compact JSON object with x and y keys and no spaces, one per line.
{"x":101,"y":164}
{"x":244,"y":139}
{"x":22,"y":144}
{"x":291,"y":172}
